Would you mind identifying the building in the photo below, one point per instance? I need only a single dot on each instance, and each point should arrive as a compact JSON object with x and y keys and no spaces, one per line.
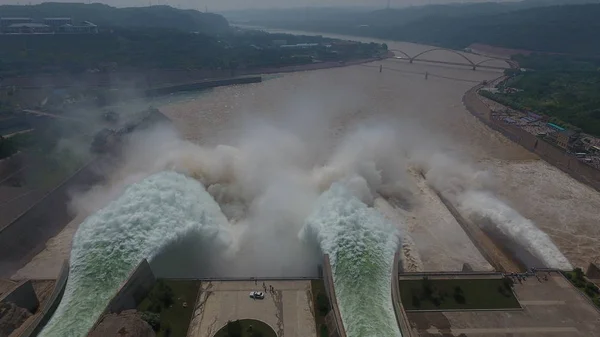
{"x":85,"y":27}
{"x":565,"y":138}
{"x":55,"y":23}
{"x":49,"y":26}
{"x":5,"y":22}
{"x":28,"y":28}
{"x":299,"y":46}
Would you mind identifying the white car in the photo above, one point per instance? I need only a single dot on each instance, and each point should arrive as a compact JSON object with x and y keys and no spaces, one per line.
{"x":257,"y":295}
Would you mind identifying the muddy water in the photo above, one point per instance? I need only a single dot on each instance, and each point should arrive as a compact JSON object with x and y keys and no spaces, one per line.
{"x":431,"y":114}
{"x":401,"y":94}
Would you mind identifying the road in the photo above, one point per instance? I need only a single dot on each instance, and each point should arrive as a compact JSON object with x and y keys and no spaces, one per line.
{"x":287,"y":310}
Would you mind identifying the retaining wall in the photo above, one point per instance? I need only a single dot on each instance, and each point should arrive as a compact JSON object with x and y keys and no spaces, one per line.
{"x":132,"y":291}
{"x":494,"y":254}
{"x":51,"y":304}
{"x":23,"y":296}
{"x":552,"y":154}
{"x":329,"y":288}
{"x":401,"y":317}
{"x":202,"y":85}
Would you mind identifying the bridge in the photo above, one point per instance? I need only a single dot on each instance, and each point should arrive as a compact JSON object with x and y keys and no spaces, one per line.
{"x":468,"y":62}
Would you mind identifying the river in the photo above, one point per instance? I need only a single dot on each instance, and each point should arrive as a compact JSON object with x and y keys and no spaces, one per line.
{"x":429,"y":115}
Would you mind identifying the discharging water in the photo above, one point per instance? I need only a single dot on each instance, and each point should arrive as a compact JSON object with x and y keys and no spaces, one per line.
{"x":149,"y":216}
{"x":515,"y":227}
{"x":361,"y":245}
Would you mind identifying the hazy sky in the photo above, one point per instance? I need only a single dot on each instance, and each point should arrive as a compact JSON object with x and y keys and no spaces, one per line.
{"x":218,"y":5}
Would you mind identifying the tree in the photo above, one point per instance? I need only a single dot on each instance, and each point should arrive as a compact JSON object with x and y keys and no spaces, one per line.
{"x":324,"y":331}
{"x":323,"y":303}
{"x":7,"y":147}
{"x":234,"y":329}
{"x":459,"y":295}
{"x":153,"y":319}
{"x":416,"y":302}
{"x":428,"y":288}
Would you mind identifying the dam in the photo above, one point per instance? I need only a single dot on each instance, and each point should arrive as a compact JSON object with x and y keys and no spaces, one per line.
{"x":311,"y":115}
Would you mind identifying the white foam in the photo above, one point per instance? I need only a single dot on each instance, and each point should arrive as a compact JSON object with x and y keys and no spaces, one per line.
{"x":108,"y":245}
{"x":513,"y":225}
{"x":361,"y":245}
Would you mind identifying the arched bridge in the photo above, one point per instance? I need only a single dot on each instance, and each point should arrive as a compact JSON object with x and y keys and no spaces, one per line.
{"x":468,"y":61}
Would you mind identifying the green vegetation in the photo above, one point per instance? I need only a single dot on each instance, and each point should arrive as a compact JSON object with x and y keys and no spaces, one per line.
{"x":321,"y":306}
{"x":8,"y":146}
{"x":169,"y":306}
{"x":246,"y":328}
{"x":163,"y":17}
{"x":577,"y":278}
{"x":561,"y":87}
{"x":448,"y":294}
{"x":136,"y":49}
{"x":569,"y":29}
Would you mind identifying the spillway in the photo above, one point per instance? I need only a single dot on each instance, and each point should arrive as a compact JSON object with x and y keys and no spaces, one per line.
{"x":514,"y":226}
{"x":361,"y":245}
{"x":108,"y":245}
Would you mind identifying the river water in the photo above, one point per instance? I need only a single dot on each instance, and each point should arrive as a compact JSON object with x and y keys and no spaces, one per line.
{"x":429,"y":115}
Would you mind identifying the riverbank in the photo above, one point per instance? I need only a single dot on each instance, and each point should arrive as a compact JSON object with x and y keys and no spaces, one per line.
{"x":154,"y":78}
{"x":553,"y":155}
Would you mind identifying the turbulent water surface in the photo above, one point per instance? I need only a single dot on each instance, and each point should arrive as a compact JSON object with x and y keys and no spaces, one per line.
{"x":514,"y":226}
{"x":109,"y":244}
{"x":361,"y":245}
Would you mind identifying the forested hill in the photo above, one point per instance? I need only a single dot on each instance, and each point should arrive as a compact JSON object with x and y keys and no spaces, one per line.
{"x":570,"y":29}
{"x":558,"y":29}
{"x":134,"y":17}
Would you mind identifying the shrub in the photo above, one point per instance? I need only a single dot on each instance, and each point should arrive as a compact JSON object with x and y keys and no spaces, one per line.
{"x":324,"y":331}
{"x":578,"y":273}
{"x":153,"y":319}
{"x":234,"y":329}
{"x":459,"y":295}
{"x":416,"y":302}
{"x":323,"y":304}
{"x":591,"y":287}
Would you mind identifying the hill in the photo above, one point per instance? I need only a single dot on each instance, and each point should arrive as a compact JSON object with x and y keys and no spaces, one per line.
{"x":134,"y":17}
{"x":570,"y":29}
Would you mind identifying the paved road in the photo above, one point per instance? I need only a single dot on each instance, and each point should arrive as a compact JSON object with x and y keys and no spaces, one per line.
{"x":287,"y":311}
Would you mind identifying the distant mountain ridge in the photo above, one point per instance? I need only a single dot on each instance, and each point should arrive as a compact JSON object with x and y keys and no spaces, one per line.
{"x":568,"y":29}
{"x":134,"y":17}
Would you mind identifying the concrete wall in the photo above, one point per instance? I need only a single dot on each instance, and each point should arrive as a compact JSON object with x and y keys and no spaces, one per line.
{"x":27,"y":235}
{"x":51,"y":304}
{"x":553,"y":155}
{"x":593,"y":272}
{"x":401,"y":317}
{"x":23,"y":296}
{"x":329,"y":288}
{"x":132,"y":291}
{"x":202,"y":85}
